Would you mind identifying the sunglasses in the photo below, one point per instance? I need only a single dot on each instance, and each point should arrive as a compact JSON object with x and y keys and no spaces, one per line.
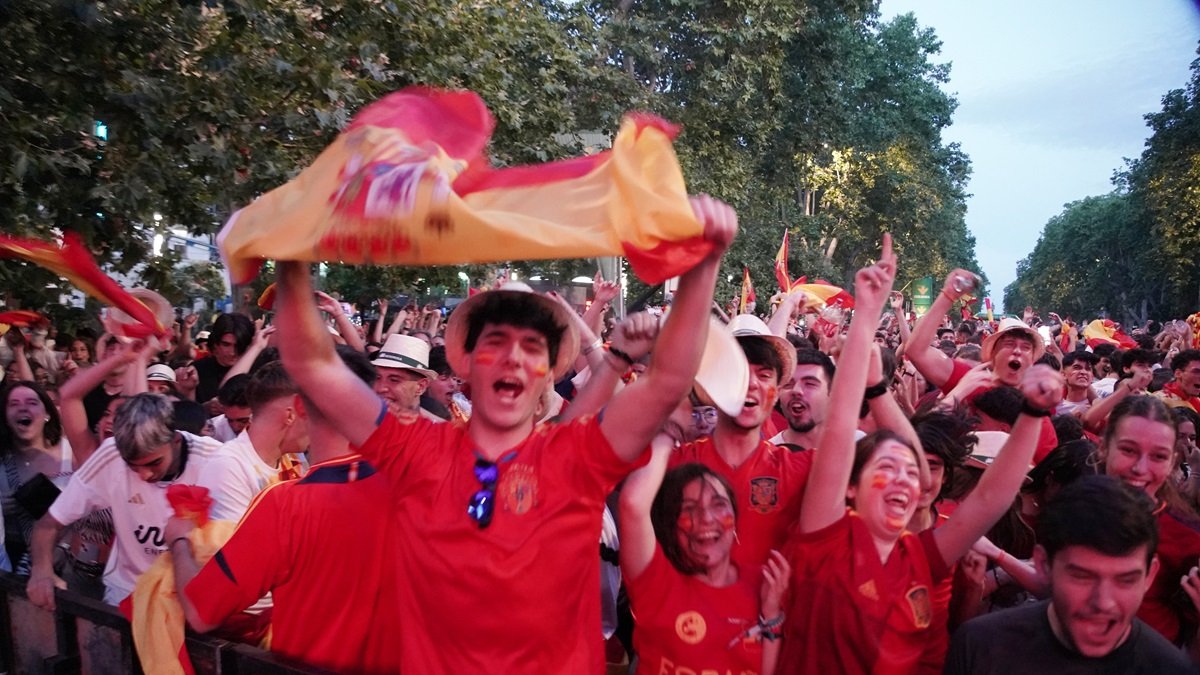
{"x":483,"y":502}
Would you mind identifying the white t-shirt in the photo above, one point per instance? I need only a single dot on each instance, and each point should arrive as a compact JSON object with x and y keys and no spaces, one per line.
{"x":1104,"y":387}
{"x":139,"y":509}
{"x":221,"y":429}
{"x":234,"y":477}
{"x":1072,"y":407}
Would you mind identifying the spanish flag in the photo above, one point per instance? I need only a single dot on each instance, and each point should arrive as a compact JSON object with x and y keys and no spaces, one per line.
{"x":781,"y":265}
{"x":747,"y":295}
{"x":407,"y":183}
{"x":1104,"y":331}
{"x":73,"y":262}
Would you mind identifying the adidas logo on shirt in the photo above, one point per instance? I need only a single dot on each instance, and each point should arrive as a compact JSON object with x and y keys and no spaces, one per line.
{"x":136,"y":499}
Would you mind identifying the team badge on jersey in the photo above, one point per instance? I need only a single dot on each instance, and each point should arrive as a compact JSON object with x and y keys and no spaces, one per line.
{"x":918,"y":601}
{"x":764,"y":494}
{"x":518,"y":489}
{"x":690,"y":627}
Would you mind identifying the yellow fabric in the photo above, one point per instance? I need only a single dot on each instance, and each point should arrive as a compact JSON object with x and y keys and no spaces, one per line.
{"x":635,"y":196}
{"x":158,"y":619}
{"x":1098,"y":330}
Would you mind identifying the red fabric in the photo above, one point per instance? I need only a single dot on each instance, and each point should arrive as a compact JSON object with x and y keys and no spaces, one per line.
{"x":325,"y":551}
{"x":458,"y":121}
{"x":683,"y":625}
{"x":1165,"y":607}
{"x":933,"y":658}
{"x":849,"y":612}
{"x":1047,"y":437}
{"x":23,"y":317}
{"x":190,"y":502}
{"x":521,"y":595}
{"x":1172,"y":392}
{"x":768,"y":487}
{"x":660,"y":263}
{"x":781,"y":266}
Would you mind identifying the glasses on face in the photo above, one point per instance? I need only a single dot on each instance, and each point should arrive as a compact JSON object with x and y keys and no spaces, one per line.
{"x":483,"y":502}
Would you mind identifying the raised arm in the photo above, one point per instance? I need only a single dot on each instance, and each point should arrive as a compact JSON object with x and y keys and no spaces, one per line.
{"x":634,"y":415}
{"x":889,"y":415}
{"x":345,"y":327}
{"x":933,"y":364}
{"x":634,"y":337}
{"x":377,"y":331}
{"x":1042,"y":387}
{"x":1095,"y":417}
{"x":604,"y":292}
{"x":16,"y":342}
{"x":896,"y":299}
{"x":70,"y":406}
{"x":309,"y":357}
{"x":785,"y":313}
{"x":637,"y":495}
{"x":262,"y":338}
{"x":825,"y":496}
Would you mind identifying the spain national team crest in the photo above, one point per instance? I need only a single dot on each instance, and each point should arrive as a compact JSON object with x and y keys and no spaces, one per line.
{"x":690,"y":627}
{"x":918,"y":601}
{"x":518,"y":489}
{"x":764,"y":494}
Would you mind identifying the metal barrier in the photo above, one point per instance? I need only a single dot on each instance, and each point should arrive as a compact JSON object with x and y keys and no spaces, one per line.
{"x":87,"y":636}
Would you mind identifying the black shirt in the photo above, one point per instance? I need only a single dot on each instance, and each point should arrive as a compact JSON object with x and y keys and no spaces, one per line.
{"x":209,"y":374}
{"x":1020,"y":640}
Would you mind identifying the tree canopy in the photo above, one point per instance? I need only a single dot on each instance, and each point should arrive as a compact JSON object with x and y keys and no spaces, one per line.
{"x":813,"y":117}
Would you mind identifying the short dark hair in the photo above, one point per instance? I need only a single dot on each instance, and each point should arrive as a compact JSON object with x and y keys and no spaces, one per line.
{"x":759,"y":352}
{"x":190,"y":417}
{"x":1000,"y":403}
{"x":965,"y":328}
{"x":521,"y":310}
{"x":1065,"y":464}
{"x":1067,"y":427}
{"x":815,"y":357}
{"x":358,"y":363}
{"x":1087,"y":357}
{"x":438,"y":362}
{"x":1135,"y":356}
{"x":233,"y":392}
{"x":1100,"y":513}
{"x":237,"y":325}
{"x":1050,"y":360}
{"x":1183,"y":358}
{"x":270,"y":383}
{"x":664,"y":512}
{"x":946,"y":434}
{"x":1182,"y":415}
{"x":1103,"y":351}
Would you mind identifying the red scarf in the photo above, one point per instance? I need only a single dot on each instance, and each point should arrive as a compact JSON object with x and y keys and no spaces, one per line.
{"x":1172,"y":389}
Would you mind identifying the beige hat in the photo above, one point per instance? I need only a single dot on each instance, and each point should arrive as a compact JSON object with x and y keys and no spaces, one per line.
{"x":986,"y":448}
{"x":160,"y":372}
{"x":1011,"y":325}
{"x":457,"y":326}
{"x":723,"y":376}
{"x":407,"y":352}
{"x":748,"y":325}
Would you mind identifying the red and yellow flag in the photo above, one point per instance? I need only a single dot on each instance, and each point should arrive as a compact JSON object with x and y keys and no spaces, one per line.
{"x":747,"y":295}
{"x":407,"y":183}
{"x":781,"y":265}
{"x":73,"y":262}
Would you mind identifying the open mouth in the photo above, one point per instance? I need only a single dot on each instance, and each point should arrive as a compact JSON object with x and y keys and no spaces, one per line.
{"x":750,"y":403}
{"x":508,"y":388}
{"x":896,"y":503}
{"x":24,"y":422}
{"x":1014,"y":365}
{"x":706,"y":537}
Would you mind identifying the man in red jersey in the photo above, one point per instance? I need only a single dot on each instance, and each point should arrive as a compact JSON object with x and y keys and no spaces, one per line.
{"x":496,"y":520}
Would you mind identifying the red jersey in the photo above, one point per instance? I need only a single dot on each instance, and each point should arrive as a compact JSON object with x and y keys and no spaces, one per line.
{"x":1165,"y":607}
{"x":768,"y":487}
{"x":851,"y":613}
{"x":684,"y":626}
{"x":322,"y":546}
{"x":521,"y":595}
{"x":1047,"y":438}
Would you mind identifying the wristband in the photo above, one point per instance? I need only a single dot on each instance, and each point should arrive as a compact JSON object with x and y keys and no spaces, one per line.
{"x":592,"y":347}
{"x":1027,"y":409}
{"x":771,"y":630}
{"x":876,"y":390}
{"x":621,"y":355}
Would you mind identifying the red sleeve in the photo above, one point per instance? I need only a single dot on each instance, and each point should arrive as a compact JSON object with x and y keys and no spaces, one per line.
{"x":390,"y":446}
{"x":938,"y":568}
{"x":593,"y":466}
{"x":649,"y":590}
{"x":961,"y":368}
{"x":248,"y":566}
{"x":1047,"y":441}
{"x":812,"y":549}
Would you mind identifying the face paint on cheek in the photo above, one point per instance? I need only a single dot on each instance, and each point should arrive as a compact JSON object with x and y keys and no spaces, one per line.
{"x":541,"y":370}
{"x":485,"y":358}
{"x":879,"y":481}
{"x":726,"y":521}
{"x":685,"y":523}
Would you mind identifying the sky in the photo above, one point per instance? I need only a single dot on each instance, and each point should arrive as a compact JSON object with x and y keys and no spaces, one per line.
{"x":1051,"y":97}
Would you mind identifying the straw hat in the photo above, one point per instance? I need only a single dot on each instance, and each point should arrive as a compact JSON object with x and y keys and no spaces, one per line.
{"x":457,"y":326}
{"x":1009,"y":325}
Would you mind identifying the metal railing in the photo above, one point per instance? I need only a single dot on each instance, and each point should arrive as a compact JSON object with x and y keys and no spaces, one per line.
{"x":87,"y":636}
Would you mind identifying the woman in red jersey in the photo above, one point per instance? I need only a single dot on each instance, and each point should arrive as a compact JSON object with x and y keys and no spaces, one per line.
{"x":695,"y":610}
{"x":862,"y":582}
{"x":1139,"y":448}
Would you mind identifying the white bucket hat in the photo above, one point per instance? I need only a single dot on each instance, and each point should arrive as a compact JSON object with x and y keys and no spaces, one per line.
{"x":407,"y":352}
{"x":160,"y":372}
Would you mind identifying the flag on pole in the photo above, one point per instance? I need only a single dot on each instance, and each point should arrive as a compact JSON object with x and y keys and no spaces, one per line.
{"x":747,"y":296}
{"x":781,"y":265}
{"x":987,"y":302}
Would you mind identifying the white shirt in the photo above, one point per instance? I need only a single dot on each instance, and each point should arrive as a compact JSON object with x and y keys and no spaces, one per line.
{"x":234,"y":477}
{"x":1104,"y":387}
{"x":221,"y":429}
{"x":139,"y":509}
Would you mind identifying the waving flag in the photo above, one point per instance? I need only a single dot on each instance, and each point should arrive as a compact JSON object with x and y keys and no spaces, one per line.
{"x":822,"y":294}
{"x":781,"y":265}
{"x":747,"y":295}
{"x":73,"y":262}
{"x":407,"y":183}
{"x":1104,"y":331}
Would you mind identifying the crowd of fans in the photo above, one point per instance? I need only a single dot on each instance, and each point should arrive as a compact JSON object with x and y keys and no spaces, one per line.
{"x":412,"y":494}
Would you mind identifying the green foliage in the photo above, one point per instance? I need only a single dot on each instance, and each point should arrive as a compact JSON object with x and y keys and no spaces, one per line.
{"x":812,"y":117}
